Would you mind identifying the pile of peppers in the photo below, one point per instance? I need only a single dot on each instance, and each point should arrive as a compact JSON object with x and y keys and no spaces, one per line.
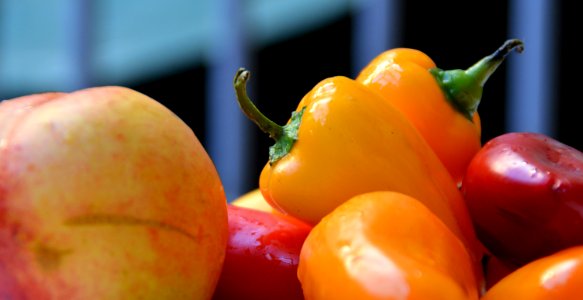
{"x":385,"y":171}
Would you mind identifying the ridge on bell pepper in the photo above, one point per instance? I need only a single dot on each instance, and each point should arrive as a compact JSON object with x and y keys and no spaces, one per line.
{"x":442,"y":105}
{"x":351,"y":141}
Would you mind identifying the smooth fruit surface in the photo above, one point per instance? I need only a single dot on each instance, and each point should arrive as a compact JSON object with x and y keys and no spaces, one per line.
{"x":558,"y":276}
{"x":254,"y":200}
{"x":106,"y":194}
{"x":262,"y":256}
{"x":524,"y":192}
{"x":385,"y":245}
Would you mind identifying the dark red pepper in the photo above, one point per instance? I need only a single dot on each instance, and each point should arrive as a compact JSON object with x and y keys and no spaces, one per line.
{"x":524,"y":192}
{"x":262,"y":256}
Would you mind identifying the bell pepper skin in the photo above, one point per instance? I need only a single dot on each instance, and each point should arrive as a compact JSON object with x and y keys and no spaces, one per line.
{"x":558,"y":276}
{"x":254,"y":200}
{"x":442,"y":105}
{"x":351,"y":141}
{"x":495,"y":270}
{"x":384,"y":245}
{"x":262,"y":256}
{"x":525,"y":194}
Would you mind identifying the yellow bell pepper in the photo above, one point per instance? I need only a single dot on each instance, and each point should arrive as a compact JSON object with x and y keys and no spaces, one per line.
{"x":343,"y":140}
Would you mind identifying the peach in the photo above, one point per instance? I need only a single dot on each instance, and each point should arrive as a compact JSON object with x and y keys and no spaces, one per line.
{"x":106,"y":194}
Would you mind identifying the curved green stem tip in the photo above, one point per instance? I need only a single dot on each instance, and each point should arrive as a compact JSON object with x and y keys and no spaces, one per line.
{"x":463,"y":88}
{"x":284,"y":136}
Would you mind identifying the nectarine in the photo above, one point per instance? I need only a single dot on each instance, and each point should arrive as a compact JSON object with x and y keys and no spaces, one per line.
{"x":106,"y":194}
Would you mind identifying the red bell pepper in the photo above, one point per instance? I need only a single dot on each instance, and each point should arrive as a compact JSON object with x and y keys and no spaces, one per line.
{"x":262,"y":256}
{"x":525,"y":195}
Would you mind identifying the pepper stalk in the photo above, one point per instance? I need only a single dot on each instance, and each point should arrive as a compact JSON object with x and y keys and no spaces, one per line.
{"x":285,"y":136}
{"x":463,"y":88}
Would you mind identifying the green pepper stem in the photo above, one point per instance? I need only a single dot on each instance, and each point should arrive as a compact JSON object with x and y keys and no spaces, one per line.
{"x":464,"y":88}
{"x":274,"y":130}
{"x":284,"y":136}
{"x":482,"y":70}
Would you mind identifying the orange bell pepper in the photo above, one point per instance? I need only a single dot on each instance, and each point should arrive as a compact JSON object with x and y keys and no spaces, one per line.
{"x":384,"y":245}
{"x":558,"y":276}
{"x":495,"y":270}
{"x":344,"y":140}
{"x":442,"y":105}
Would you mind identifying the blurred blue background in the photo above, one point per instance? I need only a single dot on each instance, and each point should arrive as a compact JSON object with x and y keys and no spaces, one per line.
{"x":185,"y":53}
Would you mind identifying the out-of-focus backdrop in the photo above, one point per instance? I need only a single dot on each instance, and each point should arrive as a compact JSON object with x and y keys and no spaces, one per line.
{"x":184,"y":54}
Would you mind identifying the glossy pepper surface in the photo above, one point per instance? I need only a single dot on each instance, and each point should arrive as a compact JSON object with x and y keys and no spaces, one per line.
{"x":442,"y":105}
{"x":558,"y":276}
{"x":350,"y":141}
{"x":262,"y":256}
{"x":495,"y":270}
{"x":254,"y":200}
{"x":525,"y":194}
{"x":384,"y":245}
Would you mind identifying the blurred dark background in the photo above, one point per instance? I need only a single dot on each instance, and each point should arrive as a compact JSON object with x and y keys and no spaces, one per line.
{"x":185,"y":53}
